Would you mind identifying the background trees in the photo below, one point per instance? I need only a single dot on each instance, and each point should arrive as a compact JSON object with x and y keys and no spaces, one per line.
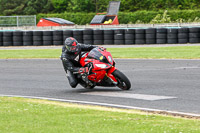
{"x":9,"y":7}
{"x":31,"y":7}
{"x":82,"y":11}
{"x":60,"y":5}
{"x":38,"y":6}
{"x":25,"y":7}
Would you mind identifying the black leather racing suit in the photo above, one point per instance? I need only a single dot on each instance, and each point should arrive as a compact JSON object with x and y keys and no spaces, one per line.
{"x":71,"y":62}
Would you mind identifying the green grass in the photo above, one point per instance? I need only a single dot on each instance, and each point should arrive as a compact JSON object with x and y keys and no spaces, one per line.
{"x":32,"y":116}
{"x":30,"y":53}
{"x":179,"y":52}
{"x":176,"y":52}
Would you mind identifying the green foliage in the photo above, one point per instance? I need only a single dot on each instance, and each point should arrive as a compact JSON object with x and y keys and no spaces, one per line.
{"x":81,"y":6}
{"x":161,"y":18}
{"x":101,"y":5}
{"x":25,"y":7}
{"x":172,"y":16}
{"x":60,"y":5}
{"x":74,"y":5}
{"x":135,"y":17}
{"x":38,"y":6}
{"x":166,"y":16}
{"x":131,"y":11}
{"x":10,"y":7}
{"x":134,"y":5}
{"x":180,"y":16}
{"x":32,"y":7}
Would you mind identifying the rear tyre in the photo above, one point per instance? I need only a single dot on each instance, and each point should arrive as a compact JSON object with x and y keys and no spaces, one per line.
{"x":123,"y":81}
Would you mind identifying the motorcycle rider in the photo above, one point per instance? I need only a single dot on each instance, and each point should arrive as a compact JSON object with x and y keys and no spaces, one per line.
{"x":71,"y":54}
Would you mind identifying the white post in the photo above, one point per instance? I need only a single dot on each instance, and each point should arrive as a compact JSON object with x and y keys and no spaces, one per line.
{"x":17,"y":21}
{"x":35,"y":19}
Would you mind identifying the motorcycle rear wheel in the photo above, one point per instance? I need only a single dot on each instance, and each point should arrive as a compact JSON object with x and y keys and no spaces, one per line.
{"x":123,"y":81}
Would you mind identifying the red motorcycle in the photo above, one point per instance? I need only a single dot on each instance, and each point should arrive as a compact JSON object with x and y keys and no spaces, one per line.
{"x":102,"y":70}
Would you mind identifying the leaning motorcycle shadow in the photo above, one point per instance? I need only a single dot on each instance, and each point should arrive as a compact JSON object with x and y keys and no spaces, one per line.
{"x":96,"y":89}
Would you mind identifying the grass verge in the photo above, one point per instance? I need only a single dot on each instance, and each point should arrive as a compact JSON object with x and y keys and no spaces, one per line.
{"x":179,"y":52}
{"x":29,"y":115}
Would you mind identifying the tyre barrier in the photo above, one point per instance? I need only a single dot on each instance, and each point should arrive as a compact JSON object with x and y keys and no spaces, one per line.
{"x":88,"y":36}
{"x":47,"y":38}
{"x":140,"y":36}
{"x":161,"y":36}
{"x":172,"y":36}
{"x":58,"y":37}
{"x":8,"y":38}
{"x":194,"y":35}
{"x":98,"y":37}
{"x":129,"y":36}
{"x":119,"y":36}
{"x":78,"y":35}
{"x":27,"y":38}
{"x":108,"y":36}
{"x":102,"y":36}
{"x":150,"y":36}
{"x":37,"y":38}
{"x":1,"y":38}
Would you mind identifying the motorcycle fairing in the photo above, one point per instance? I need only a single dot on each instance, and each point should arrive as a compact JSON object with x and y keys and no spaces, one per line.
{"x":102,"y":67}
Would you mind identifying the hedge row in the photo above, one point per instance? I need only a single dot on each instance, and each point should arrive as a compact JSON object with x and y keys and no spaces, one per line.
{"x":100,"y":37}
{"x":132,"y":17}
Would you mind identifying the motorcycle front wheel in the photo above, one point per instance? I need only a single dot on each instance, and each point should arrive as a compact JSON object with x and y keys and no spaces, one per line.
{"x":123,"y":81}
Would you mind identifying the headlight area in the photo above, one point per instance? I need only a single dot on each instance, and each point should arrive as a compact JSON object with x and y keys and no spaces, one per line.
{"x":101,"y":65}
{"x":110,"y":59}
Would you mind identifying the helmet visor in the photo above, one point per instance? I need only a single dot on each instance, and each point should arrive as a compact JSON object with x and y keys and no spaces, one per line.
{"x":71,"y":48}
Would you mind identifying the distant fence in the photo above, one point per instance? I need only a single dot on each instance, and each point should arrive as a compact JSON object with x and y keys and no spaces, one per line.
{"x":16,"y":21}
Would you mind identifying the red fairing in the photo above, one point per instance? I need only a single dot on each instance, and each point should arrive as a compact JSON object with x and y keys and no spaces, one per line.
{"x":82,"y":60}
{"x":97,"y":77}
{"x":102,"y":65}
{"x":111,"y":70}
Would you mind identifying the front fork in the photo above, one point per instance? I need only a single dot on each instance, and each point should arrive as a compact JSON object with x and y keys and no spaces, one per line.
{"x":110,"y":76}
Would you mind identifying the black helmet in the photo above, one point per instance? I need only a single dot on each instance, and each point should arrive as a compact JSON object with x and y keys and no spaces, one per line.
{"x":71,"y":44}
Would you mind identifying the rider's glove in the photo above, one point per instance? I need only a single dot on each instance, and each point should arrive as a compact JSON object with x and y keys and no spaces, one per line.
{"x":102,"y":48}
{"x":83,"y":70}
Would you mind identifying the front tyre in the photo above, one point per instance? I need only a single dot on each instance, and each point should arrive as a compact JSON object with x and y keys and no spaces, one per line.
{"x":123,"y":81}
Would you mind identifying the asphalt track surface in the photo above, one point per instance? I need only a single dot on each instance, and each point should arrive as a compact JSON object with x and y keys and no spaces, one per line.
{"x":170,"y":85}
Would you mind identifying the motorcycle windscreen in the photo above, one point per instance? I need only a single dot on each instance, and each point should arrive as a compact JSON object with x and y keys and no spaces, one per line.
{"x":95,"y":54}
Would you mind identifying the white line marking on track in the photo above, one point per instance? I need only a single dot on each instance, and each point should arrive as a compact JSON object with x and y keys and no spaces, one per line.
{"x":127,"y":95}
{"x":106,"y":104}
